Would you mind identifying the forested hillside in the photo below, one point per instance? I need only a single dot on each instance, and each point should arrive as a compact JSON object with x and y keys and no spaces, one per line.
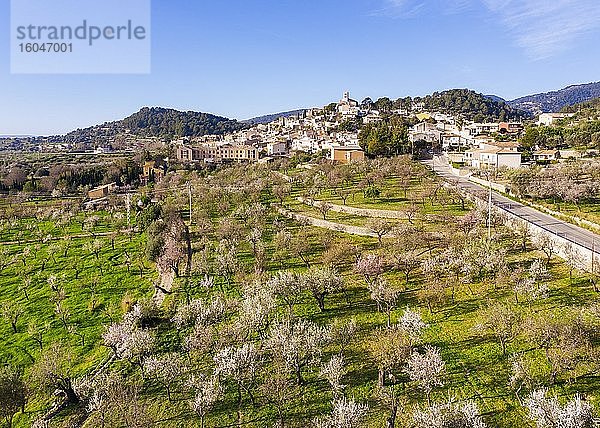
{"x":159,"y":122}
{"x":470,"y":105}
{"x":554,"y":101}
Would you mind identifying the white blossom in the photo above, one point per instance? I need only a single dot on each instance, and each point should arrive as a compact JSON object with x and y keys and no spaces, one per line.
{"x":549,"y":413}
{"x":198,"y":312}
{"x":345,"y":414}
{"x":334,"y":370}
{"x":450,"y":414}
{"x":207,"y":393}
{"x":426,"y":369}
{"x":298,"y":343}
{"x":412,"y":323}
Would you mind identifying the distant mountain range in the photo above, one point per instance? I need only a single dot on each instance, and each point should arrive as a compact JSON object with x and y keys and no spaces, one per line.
{"x":553,"y":102}
{"x":272,"y":117}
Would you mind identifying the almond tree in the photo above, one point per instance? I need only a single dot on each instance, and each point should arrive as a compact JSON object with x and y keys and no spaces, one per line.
{"x":549,"y":413}
{"x":166,"y":369}
{"x":207,"y":392}
{"x":427,"y":370}
{"x":199,"y":312}
{"x":127,"y":341}
{"x":533,"y":282}
{"x":345,"y":414}
{"x":412,"y":323}
{"x":385,"y":296}
{"x":370,"y":266}
{"x":450,"y":414}
{"x":334,"y":370}
{"x":298,"y":344}
{"x":226,"y":260}
{"x":321,"y":282}
{"x":257,"y":307}
{"x":240,"y":365}
{"x":287,"y":286}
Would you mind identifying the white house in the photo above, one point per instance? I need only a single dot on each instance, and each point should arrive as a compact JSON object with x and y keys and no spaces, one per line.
{"x":493,"y":158}
{"x":546,"y":155}
{"x":548,"y":119}
{"x":481,"y":128}
{"x":279,"y":148}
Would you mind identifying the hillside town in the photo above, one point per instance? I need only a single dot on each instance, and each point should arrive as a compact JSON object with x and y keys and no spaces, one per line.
{"x":318,"y":131}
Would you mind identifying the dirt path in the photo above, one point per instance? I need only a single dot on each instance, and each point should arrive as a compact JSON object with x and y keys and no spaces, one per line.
{"x":362,"y":212}
{"x":324,"y":224}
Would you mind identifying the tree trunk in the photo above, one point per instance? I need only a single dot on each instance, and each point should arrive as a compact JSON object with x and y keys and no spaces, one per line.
{"x":391,"y":420}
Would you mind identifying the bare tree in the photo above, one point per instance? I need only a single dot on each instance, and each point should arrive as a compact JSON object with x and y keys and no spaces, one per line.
{"x":503,"y":322}
{"x":282,"y":191}
{"x":324,"y":207}
{"x":54,"y":371}
{"x":12,"y":312}
{"x":573,"y":258}
{"x":389,"y":348}
{"x":380,"y":227}
{"x":13,"y":394}
{"x":546,"y":244}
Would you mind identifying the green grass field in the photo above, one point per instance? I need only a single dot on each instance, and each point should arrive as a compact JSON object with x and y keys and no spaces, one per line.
{"x":95,"y":284}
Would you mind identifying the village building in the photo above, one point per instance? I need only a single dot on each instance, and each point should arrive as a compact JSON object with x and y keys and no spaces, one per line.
{"x":346,"y":154}
{"x":102,"y":191}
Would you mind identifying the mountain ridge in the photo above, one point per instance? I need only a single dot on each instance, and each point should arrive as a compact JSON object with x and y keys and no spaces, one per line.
{"x":555,"y":101}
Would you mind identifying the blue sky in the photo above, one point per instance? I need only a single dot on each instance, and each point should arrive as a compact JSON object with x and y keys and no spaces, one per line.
{"x":242,"y":58}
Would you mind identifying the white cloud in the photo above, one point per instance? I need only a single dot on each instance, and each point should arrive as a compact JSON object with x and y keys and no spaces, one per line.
{"x":546,"y":27}
{"x":400,"y":8}
{"x":542,"y":28}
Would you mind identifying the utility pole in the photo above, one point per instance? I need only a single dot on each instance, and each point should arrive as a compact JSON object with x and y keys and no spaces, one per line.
{"x":128,"y":202}
{"x":190,"y":199}
{"x":490,"y":208}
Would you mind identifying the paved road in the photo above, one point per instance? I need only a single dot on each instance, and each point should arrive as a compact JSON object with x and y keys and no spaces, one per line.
{"x":565,"y":230}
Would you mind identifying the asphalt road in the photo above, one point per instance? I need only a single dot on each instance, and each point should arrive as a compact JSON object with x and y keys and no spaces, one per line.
{"x":569,"y":231}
